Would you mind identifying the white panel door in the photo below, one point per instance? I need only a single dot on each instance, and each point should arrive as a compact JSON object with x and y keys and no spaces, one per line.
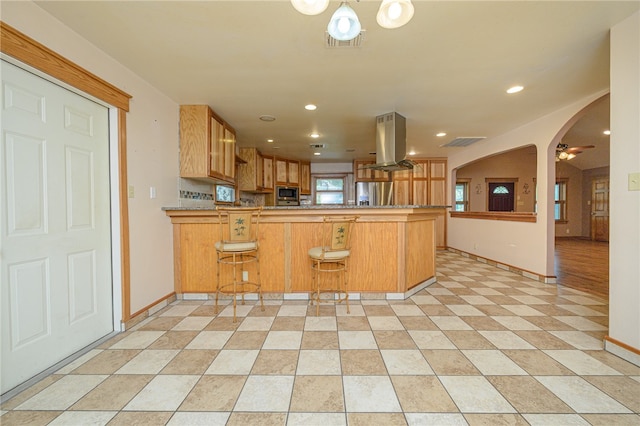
{"x":55,"y":247}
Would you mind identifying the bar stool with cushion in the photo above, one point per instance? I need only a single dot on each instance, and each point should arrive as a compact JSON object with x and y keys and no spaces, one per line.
{"x":331,"y":260}
{"x":238,"y":246}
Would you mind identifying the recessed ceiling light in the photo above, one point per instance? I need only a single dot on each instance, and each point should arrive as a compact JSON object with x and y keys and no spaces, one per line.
{"x":316,"y":153}
{"x":314,"y":135}
{"x":441,"y":134}
{"x":411,"y":152}
{"x":267,"y":118}
{"x":310,"y":107}
{"x":270,"y":140}
{"x":607,"y":132}
{"x":514,"y":89}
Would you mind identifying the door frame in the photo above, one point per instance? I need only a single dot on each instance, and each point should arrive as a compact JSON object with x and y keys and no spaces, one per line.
{"x":21,"y":50}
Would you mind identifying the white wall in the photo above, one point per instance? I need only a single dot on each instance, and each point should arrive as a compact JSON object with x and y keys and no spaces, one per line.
{"x":152,"y":149}
{"x":624,"y":247}
{"x":527,"y":246}
{"x":518,"y":163}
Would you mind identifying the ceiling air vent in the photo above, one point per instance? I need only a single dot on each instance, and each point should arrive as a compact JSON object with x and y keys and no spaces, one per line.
{"x":332,"y":43}
{"x":316,"y":145}
{"x":464,"y":141}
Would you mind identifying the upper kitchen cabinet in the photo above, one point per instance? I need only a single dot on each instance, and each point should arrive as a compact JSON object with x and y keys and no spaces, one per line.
{"x":305,"y":178}
{"x":287,"y":172}
{"x":267,"y":173}
{"x":250,"y":174}
{"x":207,"y":145}
{"x":368,"y":175}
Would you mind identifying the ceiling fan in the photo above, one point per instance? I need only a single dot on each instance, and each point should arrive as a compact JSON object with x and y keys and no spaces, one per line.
{"x":564,"y":152}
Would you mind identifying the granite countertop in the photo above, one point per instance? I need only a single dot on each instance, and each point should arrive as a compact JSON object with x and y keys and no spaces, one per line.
{"x":319,"y":207}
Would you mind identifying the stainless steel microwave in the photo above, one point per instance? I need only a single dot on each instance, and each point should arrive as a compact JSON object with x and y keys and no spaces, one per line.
{"x":286,"y":193}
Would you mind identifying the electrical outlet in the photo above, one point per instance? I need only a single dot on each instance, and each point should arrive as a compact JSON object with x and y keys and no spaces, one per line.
{"x":152,"y":192}
{"x":245,"y":275}
{"x":132,"y":191}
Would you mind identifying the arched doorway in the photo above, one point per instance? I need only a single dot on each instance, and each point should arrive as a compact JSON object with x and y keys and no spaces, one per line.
{"x":581,"y":202}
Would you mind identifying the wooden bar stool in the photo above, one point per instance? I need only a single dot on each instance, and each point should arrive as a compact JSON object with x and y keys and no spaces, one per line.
{"x":331,"y":259}
{"x":238,"y":246}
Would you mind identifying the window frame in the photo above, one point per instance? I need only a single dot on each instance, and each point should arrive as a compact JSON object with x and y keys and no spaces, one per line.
{"x":466,"y":183}
{"x":314,"y":189}
{"x":561,"y":200}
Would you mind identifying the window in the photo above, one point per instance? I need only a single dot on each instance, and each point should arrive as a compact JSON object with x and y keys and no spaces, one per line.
{"x":329,"y":190}
{"x":560,"y":197}
{"x":462,"y":196}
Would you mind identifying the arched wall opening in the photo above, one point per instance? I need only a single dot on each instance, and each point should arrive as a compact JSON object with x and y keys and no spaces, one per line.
{"x":524,"y":245}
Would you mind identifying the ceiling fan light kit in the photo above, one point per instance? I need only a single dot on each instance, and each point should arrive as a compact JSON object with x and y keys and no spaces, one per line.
{"x":345,"y":25}
{"x":564,"y":152}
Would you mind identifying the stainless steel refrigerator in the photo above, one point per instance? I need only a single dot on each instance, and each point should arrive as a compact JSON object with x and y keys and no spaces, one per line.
{"x":374,"y":193}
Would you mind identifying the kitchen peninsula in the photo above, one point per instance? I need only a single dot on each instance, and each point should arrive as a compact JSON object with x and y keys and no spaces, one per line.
{"x":393,"y":248}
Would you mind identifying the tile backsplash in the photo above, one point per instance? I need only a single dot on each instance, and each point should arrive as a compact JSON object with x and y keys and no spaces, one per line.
{"x":196,"y":194}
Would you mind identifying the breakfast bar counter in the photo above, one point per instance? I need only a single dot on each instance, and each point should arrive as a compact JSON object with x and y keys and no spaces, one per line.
{"x":393,"y":248}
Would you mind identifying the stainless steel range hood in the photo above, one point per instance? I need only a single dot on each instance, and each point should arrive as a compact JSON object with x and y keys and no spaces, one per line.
{"x":391,"y":143}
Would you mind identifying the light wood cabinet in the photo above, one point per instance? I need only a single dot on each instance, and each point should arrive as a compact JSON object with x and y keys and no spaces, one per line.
{"x":424,"y":185}
{"x":250,"y":174}
{"x":287,"y":172}
{"x":285,"y":238}
{"x":229,"y":148}
{"x":267,"y":170}
{"x":207,"y":145}
{"x":368,"y":175}
{"x":402,"y":187}
{"x":305,"y":178}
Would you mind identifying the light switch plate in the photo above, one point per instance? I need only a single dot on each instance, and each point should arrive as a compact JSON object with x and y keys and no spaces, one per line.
{"x":634,"y":181}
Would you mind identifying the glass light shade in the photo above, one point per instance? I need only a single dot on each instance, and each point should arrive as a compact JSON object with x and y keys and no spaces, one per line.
{"x":344,"y":24}
{"x":310,"y":7}
{"x":394,"y":13}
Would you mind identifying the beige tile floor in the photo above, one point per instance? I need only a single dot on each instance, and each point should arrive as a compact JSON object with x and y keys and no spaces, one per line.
{"x":482,"y":346}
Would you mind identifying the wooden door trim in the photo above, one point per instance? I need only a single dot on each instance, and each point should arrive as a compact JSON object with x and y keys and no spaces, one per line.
{"x":36,"y":55}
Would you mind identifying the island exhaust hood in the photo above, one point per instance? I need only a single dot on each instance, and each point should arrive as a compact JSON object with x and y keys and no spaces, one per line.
{"x":391,"y":143}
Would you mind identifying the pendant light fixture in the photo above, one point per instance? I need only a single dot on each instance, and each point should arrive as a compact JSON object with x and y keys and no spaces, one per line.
{"x":394,"y":13}
{"x":344,"y":24}
{"x":310,"y":7}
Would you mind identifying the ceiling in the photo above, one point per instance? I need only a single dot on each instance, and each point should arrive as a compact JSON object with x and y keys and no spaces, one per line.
{"x":446,"y":70}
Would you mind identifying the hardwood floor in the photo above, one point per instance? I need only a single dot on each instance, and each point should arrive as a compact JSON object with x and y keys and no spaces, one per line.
{"x":583,"y":264}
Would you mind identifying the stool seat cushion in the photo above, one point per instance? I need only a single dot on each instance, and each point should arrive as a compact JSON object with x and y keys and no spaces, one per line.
{"x":236,"y":247}
{"x":317,"y":253}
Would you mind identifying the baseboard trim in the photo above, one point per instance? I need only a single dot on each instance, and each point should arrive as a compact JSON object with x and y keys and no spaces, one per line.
{"x":149,"y":310}
{"x":624,"y":351}
{"x":546,"y":279}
